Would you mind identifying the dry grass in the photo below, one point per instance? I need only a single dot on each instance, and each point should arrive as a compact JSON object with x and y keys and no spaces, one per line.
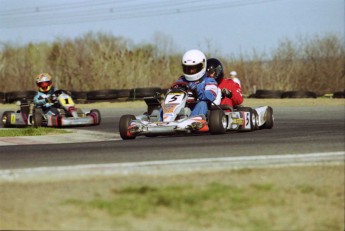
{"x":102,"y":61}
{"x":285,"y":198}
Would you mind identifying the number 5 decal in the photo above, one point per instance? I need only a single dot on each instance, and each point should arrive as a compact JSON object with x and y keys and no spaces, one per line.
{"x":176,"y":98}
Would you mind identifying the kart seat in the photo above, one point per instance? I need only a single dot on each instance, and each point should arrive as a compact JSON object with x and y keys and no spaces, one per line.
{"x":152,"y":104}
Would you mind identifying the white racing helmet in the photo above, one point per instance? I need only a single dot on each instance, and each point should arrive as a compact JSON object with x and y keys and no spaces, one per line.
{"x":194,"y":65}
{"x":233,"y":73}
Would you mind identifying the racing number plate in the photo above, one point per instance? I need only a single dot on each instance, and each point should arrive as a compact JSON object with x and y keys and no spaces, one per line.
{"x":66,"y":102}
{"x":247,"y":116}
{"x":13,"y":118}
{"x":175,"y":98}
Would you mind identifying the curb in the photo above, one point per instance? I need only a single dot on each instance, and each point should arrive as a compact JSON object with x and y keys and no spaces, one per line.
{"x":175,"y":166}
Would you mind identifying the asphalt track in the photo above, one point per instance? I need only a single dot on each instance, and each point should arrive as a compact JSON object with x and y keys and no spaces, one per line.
{"x":297,"y":130}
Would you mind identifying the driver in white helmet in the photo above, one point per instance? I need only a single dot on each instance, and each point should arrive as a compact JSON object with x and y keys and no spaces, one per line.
{"x":233,"y":76}
{"x":194,"y":73}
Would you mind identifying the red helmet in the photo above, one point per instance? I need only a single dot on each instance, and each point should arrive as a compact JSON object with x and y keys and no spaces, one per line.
{"x":44,"y":82}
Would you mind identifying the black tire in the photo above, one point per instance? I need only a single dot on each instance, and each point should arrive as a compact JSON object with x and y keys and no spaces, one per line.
{"x":339,"y":94}
{"x":123,"y":126}
{"x":98,"y":115}
{"x":269,"y":119}
{"x":2,"y":97}
{"x":299,"y":94}
{"x":107,"y":94}
{"x":217,"y":122}
{"x":37,"y":118}
{"x":124,"y":93}
{"x":265,"y":94}
{"x":14,"y":96}
{"x":164,"y":91}
{"x":6,"y":119}
{"x":139,"y":93}
{"x":78,"y":96}
{"x":255,"y":120}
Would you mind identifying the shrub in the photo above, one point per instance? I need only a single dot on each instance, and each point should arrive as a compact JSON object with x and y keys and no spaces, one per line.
{"x":102,"y":61}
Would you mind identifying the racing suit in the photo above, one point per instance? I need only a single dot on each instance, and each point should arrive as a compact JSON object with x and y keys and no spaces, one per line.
{"x":41,"y":100}
{"x":235,"y":98}
{"x":206,"y":90}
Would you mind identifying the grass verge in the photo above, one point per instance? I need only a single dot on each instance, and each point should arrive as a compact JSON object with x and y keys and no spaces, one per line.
{"x":284,"y":198}
{"x":30,"y":131}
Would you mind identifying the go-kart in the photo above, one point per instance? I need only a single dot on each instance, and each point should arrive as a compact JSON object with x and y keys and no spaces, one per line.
{"x":68,"y":115}
{"x":176,"y":109}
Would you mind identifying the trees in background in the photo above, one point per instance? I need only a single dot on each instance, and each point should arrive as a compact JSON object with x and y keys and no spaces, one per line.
{"x":101,"y":61}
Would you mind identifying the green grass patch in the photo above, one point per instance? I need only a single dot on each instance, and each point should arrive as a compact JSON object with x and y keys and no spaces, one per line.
{"x":197,"y":205}
{"x":30,"y":131}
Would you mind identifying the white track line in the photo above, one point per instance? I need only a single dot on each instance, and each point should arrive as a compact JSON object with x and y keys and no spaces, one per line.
{"x":175,"y":166}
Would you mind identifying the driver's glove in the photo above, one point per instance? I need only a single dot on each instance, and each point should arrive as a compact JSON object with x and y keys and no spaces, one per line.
{"x":226,"y":93}
{"x":51,"y":99}
{"x":193,"y":86}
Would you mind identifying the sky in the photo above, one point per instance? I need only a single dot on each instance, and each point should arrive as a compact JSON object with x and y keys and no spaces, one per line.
{"x":219,"y":26}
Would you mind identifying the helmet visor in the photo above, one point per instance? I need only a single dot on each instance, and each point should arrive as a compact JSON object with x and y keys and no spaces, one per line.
{"x":214,"y":72}
{"x":211,"y":72}
{"x":192,"y":69}
{"x":44,"y":85}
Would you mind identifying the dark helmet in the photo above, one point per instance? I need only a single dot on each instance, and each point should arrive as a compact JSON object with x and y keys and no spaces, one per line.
{"x":215,"y":69}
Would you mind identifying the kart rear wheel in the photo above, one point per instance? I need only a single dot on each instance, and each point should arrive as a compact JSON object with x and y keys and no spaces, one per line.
{"x":124,"y":122}
{"x":268,"y":118}
{"x":254,"y":119}
{"x":98,"y":115}
{"x":37,"y":118}
{"x":217,"y":122}
{"x":6,"y":119}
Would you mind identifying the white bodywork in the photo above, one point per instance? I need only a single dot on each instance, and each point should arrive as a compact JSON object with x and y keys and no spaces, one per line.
{"x":176,"y":118}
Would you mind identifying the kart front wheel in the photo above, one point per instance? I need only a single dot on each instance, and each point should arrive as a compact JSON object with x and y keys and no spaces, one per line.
{"x":124,"y":123}
{"x":98,"y":116}
{"x":254,"y":120}
{"x":269,"y":119}
{"x":217,"y":122}
{"x":37,"y":118}
{"x":6,"y":119}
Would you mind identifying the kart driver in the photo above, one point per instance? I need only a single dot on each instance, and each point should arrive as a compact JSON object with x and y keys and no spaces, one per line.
{"x":233,"y":76}
{"x":45,"y":96}
{"x":194,"y":70}
{"x":231,"y":91}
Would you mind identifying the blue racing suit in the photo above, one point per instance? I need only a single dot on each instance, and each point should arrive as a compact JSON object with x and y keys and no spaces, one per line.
{"x":41,"y":101}
{"x":206,"y":89}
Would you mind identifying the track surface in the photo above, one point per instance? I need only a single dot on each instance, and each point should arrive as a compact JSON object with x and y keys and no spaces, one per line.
{"x":296,"y":130}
